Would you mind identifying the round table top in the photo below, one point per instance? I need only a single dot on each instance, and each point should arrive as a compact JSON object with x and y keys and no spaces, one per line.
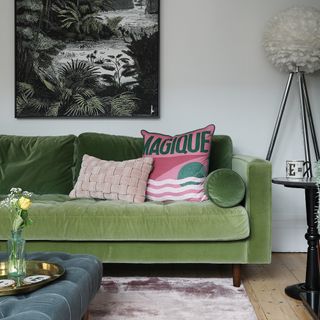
{"x":296,"y":183}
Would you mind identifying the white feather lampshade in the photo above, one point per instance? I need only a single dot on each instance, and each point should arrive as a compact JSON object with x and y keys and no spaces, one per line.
{"x":292,"y":40}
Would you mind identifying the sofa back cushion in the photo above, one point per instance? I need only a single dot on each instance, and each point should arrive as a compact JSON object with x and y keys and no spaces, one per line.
{"x":119,"y":148}
{"x":37,"y":164}
{"x":221,"y":152}
{"x":107,"y":147}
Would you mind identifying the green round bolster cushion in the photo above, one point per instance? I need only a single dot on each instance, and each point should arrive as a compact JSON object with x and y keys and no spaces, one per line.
{"x":225,"y":188}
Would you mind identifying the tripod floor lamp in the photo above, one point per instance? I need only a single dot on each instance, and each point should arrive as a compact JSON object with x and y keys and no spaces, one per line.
{"x":292,"y":43}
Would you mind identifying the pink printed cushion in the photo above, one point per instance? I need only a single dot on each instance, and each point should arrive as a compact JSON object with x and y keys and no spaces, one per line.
{"x":113,"y":180}
{"x":180,"y":164}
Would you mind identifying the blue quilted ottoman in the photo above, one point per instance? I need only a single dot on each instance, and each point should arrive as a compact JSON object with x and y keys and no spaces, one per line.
{"x":67,"y":298}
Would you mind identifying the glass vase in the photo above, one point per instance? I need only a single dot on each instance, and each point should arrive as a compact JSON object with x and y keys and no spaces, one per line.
{"x":16,"y":255}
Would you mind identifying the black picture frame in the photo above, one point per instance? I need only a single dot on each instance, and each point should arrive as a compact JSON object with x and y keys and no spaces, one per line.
{"x":87,"y":59}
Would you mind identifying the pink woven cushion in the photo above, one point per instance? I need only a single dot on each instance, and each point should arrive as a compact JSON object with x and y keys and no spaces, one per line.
{"x":180,"y":164}
{"x":113,"y":180}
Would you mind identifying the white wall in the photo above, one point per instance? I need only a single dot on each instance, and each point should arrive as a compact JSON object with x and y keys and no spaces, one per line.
{"x":213,"y":69}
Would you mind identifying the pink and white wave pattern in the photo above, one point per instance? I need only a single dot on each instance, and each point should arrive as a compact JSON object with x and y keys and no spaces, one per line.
{"x":174,"y":189}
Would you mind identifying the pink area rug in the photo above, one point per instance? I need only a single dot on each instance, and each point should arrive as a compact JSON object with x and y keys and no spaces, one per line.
{"x":170,"y":299}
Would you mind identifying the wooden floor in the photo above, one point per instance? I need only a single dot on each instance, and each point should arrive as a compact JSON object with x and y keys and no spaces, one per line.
{"x":265,"y":287}
{"x":264,"y":283}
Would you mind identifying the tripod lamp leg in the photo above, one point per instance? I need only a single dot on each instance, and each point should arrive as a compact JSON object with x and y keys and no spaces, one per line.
{"x":310,"y":118}
{"x":304,"y":125}
{"x":280,"y":114}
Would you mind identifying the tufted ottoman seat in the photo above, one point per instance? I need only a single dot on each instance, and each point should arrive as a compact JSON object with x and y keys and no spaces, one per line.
{"x":67,"y":298}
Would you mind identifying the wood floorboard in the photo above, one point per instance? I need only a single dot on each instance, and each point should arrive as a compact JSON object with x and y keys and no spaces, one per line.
{"x":264,"y":284}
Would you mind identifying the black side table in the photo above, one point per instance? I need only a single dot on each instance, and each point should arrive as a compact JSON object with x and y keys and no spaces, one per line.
{"x":311,"y":285}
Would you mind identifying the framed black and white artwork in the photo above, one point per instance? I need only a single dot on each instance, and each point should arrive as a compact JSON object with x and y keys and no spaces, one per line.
{"x":86,"y":58}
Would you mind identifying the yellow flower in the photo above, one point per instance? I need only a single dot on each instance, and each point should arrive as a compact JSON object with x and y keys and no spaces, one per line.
{"x":24,"y":203}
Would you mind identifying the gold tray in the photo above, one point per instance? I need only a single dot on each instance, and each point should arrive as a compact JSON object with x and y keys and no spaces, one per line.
{"x":40,"y":268}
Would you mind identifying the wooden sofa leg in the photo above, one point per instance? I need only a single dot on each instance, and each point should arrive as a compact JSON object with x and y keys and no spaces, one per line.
{"x":236,"y":275}
{"x":86,"y":316}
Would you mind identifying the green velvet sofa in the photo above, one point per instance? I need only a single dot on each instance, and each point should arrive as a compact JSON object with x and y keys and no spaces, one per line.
{"x":121,"y":232}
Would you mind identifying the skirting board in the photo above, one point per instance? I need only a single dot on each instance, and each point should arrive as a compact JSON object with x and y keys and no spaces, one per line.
{"x":288,"y":235}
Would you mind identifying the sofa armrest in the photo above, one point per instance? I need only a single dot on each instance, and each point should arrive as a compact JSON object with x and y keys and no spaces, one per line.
{"x":256,"y":174}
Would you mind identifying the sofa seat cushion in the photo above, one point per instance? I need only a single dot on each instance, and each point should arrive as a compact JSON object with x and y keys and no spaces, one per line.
{"x":58,"y":217}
